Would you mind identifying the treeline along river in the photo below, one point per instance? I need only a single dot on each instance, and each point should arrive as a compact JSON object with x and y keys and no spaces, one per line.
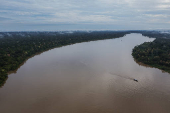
{"x":16,"y":47}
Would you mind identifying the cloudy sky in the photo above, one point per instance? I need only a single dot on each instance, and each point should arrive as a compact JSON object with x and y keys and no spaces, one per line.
{"x":51,"y":15}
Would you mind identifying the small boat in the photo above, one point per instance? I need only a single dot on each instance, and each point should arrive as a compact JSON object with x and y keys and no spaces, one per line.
{"x":135,"y":80}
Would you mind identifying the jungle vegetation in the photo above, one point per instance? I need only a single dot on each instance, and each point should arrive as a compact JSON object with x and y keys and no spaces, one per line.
{"x":155,"y":54}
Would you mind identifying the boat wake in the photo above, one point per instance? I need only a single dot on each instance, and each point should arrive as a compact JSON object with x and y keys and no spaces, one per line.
{"x":125,"y":77}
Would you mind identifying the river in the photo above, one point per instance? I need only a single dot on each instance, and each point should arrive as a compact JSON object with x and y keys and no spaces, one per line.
{"x":89,"y":77}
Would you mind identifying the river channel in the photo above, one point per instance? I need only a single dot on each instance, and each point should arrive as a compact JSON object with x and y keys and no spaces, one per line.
{"x":89,"y":77}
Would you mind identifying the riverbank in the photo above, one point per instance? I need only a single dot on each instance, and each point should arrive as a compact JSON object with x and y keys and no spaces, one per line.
{"x":155,"y":54}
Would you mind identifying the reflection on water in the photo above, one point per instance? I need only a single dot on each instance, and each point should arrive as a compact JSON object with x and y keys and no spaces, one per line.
{"x":77,"y":79}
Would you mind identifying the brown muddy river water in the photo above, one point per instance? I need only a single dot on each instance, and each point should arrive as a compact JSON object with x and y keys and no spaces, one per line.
{"x":77,"y":79}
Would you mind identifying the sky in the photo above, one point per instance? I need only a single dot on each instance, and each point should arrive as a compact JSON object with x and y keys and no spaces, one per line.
{"x":57,"y":15}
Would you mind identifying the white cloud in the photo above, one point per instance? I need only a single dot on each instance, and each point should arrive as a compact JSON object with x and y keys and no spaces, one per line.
{"x":157,"y":15}
{"x":167,"y":6}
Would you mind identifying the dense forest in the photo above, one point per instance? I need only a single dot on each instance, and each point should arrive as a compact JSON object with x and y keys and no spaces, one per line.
{"x":16,"y":47}
{"x":156,"y":53}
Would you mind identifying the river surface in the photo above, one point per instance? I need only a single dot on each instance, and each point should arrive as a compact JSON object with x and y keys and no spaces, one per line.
{"x":89,"y":77}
